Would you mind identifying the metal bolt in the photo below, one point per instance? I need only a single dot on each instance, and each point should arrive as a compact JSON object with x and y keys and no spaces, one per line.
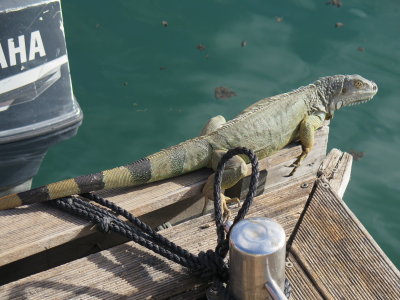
{"x":325,"y":185}
{"x":304,"y":185}
{"x":289,"y":264}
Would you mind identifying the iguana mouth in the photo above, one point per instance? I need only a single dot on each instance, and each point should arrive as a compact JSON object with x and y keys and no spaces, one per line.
{"x":360,"y":101}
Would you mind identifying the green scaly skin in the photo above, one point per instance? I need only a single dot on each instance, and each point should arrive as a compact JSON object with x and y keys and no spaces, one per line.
{"x":265,"y":127}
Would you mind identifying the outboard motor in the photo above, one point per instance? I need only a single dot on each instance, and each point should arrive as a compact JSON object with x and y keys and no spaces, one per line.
{"x":37,"y":106}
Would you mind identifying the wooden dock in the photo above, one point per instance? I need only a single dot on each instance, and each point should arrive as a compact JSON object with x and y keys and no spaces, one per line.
{"x":49,"y":254}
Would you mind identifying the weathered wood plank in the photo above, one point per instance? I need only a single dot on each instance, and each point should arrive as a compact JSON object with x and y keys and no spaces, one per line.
{"x":131,"y":271}
{"x":336,"y":169}
{"x":302,"y":286}
{"x":31,"y":229}
{"x":338,"y":253}
{"x":34,"y":229}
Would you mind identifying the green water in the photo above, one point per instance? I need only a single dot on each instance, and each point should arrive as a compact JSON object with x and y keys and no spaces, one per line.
{"x":132,"y":108}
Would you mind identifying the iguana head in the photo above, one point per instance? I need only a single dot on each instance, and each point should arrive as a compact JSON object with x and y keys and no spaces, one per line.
{"x":344,"y":90}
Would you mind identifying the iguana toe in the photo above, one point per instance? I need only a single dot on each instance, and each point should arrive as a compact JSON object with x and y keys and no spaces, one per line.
{"x":225,"y":200}
{"x":226,"y":212}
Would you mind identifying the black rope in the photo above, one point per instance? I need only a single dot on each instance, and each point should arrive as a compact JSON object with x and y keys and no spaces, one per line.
{"x":223,"y":239}
{"x":208,"y":265}
{"x":139,"y":233}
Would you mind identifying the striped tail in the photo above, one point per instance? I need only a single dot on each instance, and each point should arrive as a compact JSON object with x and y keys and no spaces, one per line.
{"x":171,"y":162}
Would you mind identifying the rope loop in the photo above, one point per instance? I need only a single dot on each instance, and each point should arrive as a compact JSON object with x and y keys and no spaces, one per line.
{"x":223,"y":238}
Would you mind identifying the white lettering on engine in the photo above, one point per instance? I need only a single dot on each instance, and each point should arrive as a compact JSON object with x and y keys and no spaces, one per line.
{"x":19,"y":51}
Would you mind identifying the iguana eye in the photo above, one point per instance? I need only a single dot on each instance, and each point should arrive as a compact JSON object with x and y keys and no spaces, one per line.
{"x":358,"y":84}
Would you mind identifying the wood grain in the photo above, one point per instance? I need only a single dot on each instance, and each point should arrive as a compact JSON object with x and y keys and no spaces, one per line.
{"x":131,"y":271}
{"x":338,"y":253}
{"x":336,"y":169}
{"x":302,"y":286}
{"x":31,"y":229}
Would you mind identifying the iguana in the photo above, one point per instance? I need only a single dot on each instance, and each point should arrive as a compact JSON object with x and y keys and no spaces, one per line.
{"x":265,"y":127}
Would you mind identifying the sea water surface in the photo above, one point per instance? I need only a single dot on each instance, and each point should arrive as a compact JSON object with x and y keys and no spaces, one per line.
{"x":144,"y":86}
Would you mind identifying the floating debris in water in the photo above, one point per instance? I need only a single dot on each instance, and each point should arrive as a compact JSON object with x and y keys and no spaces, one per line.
{"x":356,"y":154}
{"x":243,"y":43}
{"x":163,"y":68}
{"x":339,"y":24}
{"x":223,"y":93}
{"x":206,"y":56}
{"x":125,"y":83}
{"x":97,"y":25}
{"x":279,"y":19}
{"x":201,"y":47}
{"x":164,"y":23}
{"x":361,"y":49}
{"x":337,"y":3}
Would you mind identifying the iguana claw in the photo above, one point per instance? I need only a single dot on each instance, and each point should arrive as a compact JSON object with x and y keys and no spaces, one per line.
{"x":226,"y":212}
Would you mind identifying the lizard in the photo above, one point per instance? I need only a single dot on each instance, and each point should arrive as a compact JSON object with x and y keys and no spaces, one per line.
{"x":265,"y":127}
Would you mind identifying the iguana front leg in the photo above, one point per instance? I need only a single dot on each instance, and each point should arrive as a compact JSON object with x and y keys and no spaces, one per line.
{"x":307,"y":129}
{"x":235,"y":169}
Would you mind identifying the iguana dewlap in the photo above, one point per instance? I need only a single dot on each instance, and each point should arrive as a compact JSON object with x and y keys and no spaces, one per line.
{"x":265,"y":127}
